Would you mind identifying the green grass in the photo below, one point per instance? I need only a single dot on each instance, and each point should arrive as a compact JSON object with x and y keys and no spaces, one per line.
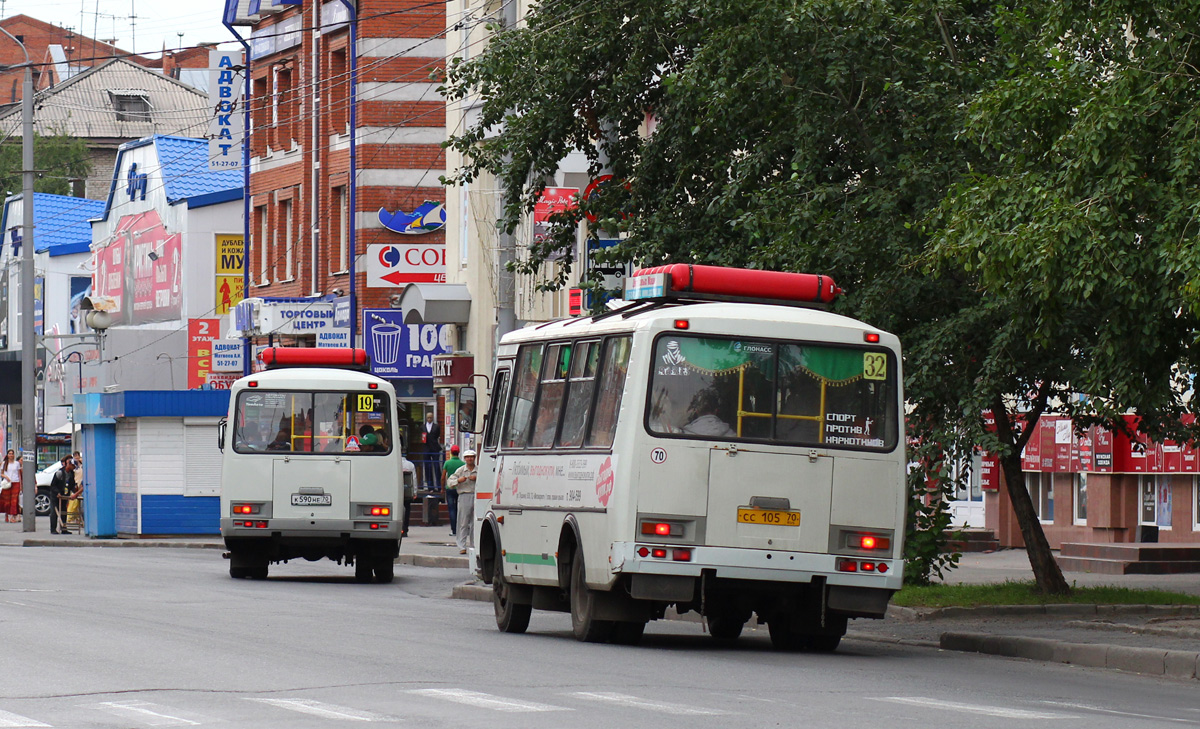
{"x":1026,"y":593}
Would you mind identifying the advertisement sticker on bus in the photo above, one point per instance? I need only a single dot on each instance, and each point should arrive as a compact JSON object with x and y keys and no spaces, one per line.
{"x":577,"y":480}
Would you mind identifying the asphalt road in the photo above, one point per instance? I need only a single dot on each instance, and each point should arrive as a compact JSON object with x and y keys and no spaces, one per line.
{"x":136,"y":638}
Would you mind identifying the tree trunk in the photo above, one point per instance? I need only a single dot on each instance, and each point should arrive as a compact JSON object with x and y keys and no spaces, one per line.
{"x":1046,"y":572}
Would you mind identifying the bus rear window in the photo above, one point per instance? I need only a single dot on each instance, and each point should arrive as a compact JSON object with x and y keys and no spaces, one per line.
{"x":764,"y":390}
{"x":312,"y":422}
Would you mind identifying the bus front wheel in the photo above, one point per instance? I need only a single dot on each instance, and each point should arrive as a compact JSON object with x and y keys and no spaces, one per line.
{"x":511,"y":617}
{"x":583,"y":607}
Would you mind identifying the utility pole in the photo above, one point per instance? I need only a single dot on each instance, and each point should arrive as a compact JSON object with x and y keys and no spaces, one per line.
{"x":506,"y":294}
{"x":28,"y":336}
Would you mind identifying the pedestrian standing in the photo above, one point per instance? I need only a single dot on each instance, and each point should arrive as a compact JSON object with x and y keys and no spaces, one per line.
{"x":431,"y":438}
{"x":10,"y":480}
{"x":464,"y":483}
{"x":453,"y":463}
{"x":62,"y":488}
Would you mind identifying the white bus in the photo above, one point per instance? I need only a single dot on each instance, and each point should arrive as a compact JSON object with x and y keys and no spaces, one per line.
{"x":698,"y":450}
{"x":312,"y":465}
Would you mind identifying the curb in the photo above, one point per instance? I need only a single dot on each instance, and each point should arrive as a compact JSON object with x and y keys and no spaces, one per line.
{"x":1053,"y":610}
{"x":429,"y":560}
{"x":1150,"y":661}
{"x":120,"y":543}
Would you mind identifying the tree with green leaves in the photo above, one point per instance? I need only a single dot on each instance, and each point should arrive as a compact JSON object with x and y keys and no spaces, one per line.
{"x":58,"y":159}
{"x":892,"y":145}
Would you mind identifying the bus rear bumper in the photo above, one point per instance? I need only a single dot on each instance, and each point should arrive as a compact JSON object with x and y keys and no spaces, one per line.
{"x":305,"y":529}
{"x":753,"y":564}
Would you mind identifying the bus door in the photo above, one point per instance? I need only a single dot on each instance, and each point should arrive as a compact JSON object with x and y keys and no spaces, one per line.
{"x":766,"y":500}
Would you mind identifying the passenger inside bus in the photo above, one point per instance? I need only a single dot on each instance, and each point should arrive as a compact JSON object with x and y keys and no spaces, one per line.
{"x":704,"y":416}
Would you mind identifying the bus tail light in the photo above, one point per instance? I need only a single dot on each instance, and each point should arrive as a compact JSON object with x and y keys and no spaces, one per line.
{"x":681,"y":555}
{"x":867,"y":566}
{"x":847,"y":565}
{"x":662,"y":528}
{"x":659,"y":553}
{"x":871,"y":337}
{"x":682,"y":324}
{"x":378,"y":510}
{"x":246,"y":508}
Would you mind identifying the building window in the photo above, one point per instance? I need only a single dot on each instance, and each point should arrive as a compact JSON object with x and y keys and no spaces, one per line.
{"x":342,"y":262}
{"x":263,"y":243}
{"x":288,"y":253}
{"x":339,"y":92}
{"x":1081,"y":499}
{"x":131,"y":105}
{"x":1148,"y":508}
{"x":1041,"y":490}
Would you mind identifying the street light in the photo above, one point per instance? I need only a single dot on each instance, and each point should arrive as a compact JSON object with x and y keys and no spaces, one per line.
{"x":170,"y":366}
{"x":78,"y":360}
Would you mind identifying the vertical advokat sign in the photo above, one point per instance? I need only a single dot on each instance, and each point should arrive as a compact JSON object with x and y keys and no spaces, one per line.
{"x":226,"y":129}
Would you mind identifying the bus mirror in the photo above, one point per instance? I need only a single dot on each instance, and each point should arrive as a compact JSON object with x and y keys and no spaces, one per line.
{"x":466,"y":409}
{"x":221,"y":434}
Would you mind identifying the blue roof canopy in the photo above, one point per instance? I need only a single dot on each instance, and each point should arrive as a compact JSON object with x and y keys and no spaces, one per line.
{"x":60,"y":223}
{"x":186,"y":178}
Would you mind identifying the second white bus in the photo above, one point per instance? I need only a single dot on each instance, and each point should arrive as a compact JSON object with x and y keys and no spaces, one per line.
{"x":731,"y":458}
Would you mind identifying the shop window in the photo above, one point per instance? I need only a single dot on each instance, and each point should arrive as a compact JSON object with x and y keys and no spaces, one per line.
{"x":611,"y":386}
{"x":1081,"y":499}
{"x":1195,"y":504}
{"x":1164,"y":497}
{"x":1041,"y":490}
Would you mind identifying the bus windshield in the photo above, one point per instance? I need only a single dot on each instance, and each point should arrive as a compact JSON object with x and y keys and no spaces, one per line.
{"x":312,"y":422}
{"x":790,"y":393}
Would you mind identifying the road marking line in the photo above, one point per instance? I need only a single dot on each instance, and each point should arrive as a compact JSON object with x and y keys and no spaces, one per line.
{"x":320,"y":708}
{"x":636,"y":703}
{"x":999,"y":711}
{"x":486,"y":701}
{"x":1100,"y":710}
{"x":9,"y":719}
{"x":139,"y":710}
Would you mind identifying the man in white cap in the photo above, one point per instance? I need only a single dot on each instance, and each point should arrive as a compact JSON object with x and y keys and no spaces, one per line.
{"x":463,"y":481}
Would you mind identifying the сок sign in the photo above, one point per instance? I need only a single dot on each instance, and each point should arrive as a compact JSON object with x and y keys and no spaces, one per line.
{"x":395,"y":265}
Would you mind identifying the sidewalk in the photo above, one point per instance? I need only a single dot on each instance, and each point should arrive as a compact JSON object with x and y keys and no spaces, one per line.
{"x":1155,"y":640}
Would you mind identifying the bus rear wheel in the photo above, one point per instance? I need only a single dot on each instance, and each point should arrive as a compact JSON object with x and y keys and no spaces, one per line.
{"x":511,"y":617}
{"x":583,"y":607}
{"x":363,"y":569}
{"x":385,"y":570}
{"x":725,"y":627}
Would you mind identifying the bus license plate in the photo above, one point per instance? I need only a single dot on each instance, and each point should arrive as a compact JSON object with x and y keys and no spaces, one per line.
{"x":768,"y":516}
{"x":312,"y":499}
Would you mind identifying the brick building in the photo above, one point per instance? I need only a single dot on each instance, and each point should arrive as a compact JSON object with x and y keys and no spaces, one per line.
{"x":300,"y":138}
{"x":301,"y":224}
{"x":78,"y":52}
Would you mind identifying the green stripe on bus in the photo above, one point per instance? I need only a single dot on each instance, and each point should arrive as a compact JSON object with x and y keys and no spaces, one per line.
{"x":529,"y":558}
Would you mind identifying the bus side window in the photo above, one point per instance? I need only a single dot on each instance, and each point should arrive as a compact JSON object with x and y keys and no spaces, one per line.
{"x":611,"y":386}
{"x":520,"y":410}
{"x":580,"y":391}
{"x":554,"y":385}
{"x":496,"y":409}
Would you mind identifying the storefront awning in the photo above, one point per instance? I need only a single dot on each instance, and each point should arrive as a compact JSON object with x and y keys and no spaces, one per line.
{"x":429,"y":303}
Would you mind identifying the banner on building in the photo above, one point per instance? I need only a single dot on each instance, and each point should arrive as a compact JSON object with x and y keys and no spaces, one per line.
{"x":227,"y":355}
{"x":230,"y":267}
{"x":227,"y":128}
{"x":141,"y":270}
{"x":201,"y":333}
{"x":399,"y":350}
{"x":397,"y":265}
